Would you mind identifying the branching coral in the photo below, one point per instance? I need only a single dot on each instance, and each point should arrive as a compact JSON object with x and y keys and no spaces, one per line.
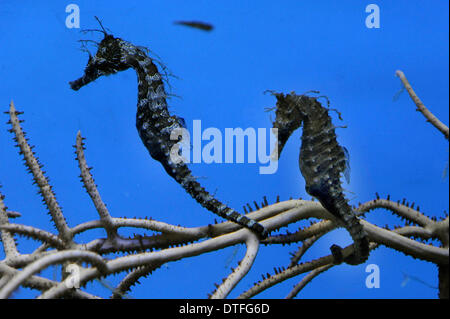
{"x":141,"y":255}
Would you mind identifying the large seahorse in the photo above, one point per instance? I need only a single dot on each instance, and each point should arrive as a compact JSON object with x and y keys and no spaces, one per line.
{"x":153,"y":120}
{"x":322,"y":161}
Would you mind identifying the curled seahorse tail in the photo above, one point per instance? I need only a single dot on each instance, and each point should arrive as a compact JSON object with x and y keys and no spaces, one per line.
{"x":350,"y":221}
{"x":183,"y":175}
{"x":360,"y":242}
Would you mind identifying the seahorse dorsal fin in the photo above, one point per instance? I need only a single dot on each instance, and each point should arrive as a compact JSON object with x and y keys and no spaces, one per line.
{"x":347,"y":165}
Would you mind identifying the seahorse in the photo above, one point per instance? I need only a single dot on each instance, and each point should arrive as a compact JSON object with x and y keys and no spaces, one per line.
{"x":322,"y":161}
{"x":154,"y":123}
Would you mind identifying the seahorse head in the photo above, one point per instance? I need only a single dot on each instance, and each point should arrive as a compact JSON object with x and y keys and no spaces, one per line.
{"x":112,"y":56}
{"x":289,"y":117}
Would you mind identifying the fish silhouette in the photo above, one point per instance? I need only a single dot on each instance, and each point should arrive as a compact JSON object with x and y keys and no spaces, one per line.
{"x":196,"y":24}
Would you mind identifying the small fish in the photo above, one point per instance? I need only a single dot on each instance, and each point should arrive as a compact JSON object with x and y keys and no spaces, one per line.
{"x":196,"y":24}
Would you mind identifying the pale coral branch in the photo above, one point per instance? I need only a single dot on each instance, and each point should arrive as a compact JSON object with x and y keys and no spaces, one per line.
{"x":325,"y":226}
{"x":132,"y":261}
{"x":39,"y":283}
{"x":415,"y":231}
{"x":312,"y":209}
{"x":34,"y":281}
{"x":301,"y":210}
{"x":313,"y":274}
{"x":307,"y":279}
{"x":421,"y":107}
{"x":41,"y":248}
{"x":275,"y":218}
{"x":36,"y":233}
{"x":39,"y":177}
{"x":289,"y":273}
{"x":159,"y":226}
{"x":315,"y":229}
{"x":48,"y":260}
{"x":4,"y":278}
{"x":440,"y":230}
{"x":307,"y":209}
{"x":178,"y":235}
{"x":189,"y":234}
{"x":22,"y":260}
{"x":282,"y":219}
{"x":132,"y":278}
{"x":404,"y":211}
{"x":211,"y":230}
{"x":440,"y":253}
{"x":241,"y":270}
{"x":408,"y":246}
{"x":192,"y":233}
{"x":307,"y":243}
{"x":91,"y":189}
{"x":9,"y":244}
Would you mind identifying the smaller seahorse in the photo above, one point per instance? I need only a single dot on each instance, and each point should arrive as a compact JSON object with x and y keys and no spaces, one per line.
{"x":322,"y":161}
{"x":153,"y":120}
